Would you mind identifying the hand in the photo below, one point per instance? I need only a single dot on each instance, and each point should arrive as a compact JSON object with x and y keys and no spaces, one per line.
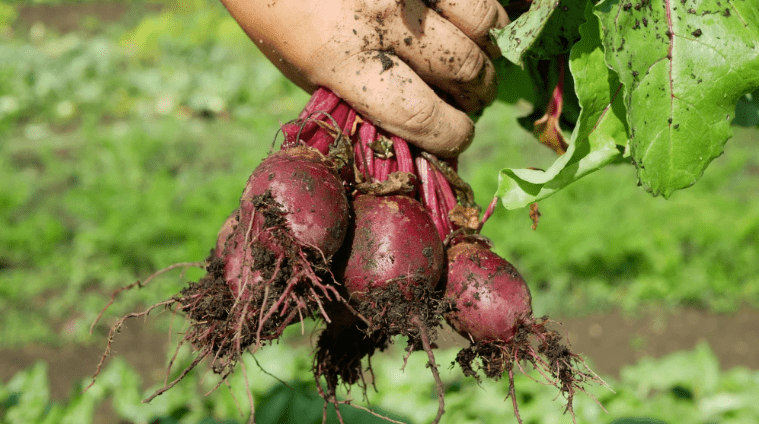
{"x":384,"y":56}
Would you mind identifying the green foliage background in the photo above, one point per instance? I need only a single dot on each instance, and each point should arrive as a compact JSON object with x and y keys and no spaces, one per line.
{"x":125,"y":146}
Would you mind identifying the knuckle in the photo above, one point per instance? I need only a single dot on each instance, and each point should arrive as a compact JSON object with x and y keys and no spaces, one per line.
{"x":421,"y":116}
{"x":487,"y":13}
{"x":469,"y":68}
{"x":381,"y":9}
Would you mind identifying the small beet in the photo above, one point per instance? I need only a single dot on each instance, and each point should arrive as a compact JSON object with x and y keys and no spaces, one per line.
{"x":393,"y":261}
{"x":491,"y":306}
{"x":301,"y":180}
{"x":293,"y":204}
{"x":292,"y":218}
{"x":490,"y":296}
{"x":392,"y":241}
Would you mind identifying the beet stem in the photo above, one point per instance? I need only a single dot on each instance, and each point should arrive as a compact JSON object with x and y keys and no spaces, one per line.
{"x":488,"y":212}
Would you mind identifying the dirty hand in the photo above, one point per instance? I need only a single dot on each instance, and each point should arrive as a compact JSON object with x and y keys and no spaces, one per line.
{"x":384,"y":56}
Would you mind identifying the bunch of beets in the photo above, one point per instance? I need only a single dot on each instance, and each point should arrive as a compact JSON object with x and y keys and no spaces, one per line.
{"x":350,"y":225}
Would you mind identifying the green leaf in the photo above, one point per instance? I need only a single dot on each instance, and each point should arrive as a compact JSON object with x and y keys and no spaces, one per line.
{"x":599,"y":137}
{"x":547,"y":29}
{"x":683,"y":65}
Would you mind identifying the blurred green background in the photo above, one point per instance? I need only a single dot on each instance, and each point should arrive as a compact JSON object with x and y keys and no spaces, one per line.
{"x":127,"y":132}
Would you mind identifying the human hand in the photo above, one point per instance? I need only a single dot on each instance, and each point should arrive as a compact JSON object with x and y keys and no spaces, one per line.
{"x":385,"y":56}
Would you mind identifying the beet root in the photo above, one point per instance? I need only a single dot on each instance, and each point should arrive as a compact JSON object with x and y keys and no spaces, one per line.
{"x":489,"y":295}
{"x":292,"y":218}
{"x":491,"y":306}
{"x":341,"y":349}
{"x":391,"y":263}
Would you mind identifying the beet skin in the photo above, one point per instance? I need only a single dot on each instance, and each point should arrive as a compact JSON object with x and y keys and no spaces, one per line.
{"x":489,"y":294}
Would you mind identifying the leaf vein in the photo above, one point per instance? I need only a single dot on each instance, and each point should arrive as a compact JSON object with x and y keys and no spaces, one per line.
{"x":743,"y":21}
{"x":606,"y":109}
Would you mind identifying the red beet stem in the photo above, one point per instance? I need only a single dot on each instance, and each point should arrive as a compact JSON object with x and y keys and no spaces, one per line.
{"x":348,"y":125}
{"x":445,"y":189}
{"x":323,"y":139}
{"x":323,"y":100}
{"x":429,"y":196}
{"x":403,"y":155}
{"x":365,"y":156}
{"x":489,"y":211}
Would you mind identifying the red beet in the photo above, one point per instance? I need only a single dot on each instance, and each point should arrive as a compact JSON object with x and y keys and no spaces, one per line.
{"x":292,"y":218}
{"x":492,"y":308}
{"x":294,"y":189}
{"x":489,"y":294}
{"x":394,"y":261}
{"x":311,"y":194}
{"x":392,"y":240}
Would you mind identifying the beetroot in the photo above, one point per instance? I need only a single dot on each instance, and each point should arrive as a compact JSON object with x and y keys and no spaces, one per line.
{"x":392,"y":243}
{"x":293,"y":203}
{"x":266,"y":269}
{"x":393,"y":260}
{"x":491,"y":307}
{"x":489,"y":295}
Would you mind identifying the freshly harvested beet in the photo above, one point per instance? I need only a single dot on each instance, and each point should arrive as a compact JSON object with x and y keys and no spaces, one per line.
{"x":292,"y":218}
{"x":393,"y":260}
{"x":301,"y":180}
{"x":293,"y":201}
{"x":393,"y":245}
{"x":491,"y":307}
{"x":489,"y":295}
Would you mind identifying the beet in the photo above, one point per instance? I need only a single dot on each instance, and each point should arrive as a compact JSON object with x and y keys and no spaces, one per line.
{"x":491,"y":306}
{"x":292,"y":218}
{"x":392,"y":242}
{"x":293,"y":201}
{"x":489,"y":295}
{"x":392,"y":262}
{"x":311,"y":195}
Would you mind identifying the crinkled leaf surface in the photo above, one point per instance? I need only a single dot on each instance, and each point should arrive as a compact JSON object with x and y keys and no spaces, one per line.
{"x":684,"y":64}
{"x":598,"y":138}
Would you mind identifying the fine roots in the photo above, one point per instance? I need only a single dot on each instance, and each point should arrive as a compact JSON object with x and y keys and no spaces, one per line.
{"x":282,"y":286}
{"x":384,"y":313}
{"x":538,"y":346}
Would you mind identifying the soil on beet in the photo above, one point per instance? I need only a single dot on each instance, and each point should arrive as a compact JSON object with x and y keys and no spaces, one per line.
{"x":226,"y":325}
{"x":340,"y":353}
{"x":391,"y":309}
